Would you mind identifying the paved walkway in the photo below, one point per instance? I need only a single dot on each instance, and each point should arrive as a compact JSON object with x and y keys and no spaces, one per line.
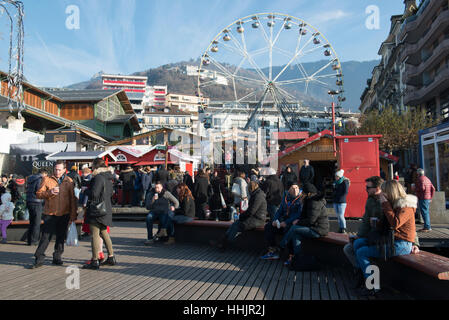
{"x":175,"y":272}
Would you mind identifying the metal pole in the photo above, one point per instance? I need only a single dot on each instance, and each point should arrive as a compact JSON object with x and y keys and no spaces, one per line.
{"x":333,"y":128}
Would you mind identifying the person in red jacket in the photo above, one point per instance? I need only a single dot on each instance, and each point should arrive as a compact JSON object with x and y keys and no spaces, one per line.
{"x":424,"y":190}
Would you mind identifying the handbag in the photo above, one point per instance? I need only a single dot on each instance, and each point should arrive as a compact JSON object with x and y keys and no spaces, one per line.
{"x":99,"y":210}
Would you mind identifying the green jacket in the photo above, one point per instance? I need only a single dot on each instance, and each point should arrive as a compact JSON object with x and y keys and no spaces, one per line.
{"x":373,"y":209}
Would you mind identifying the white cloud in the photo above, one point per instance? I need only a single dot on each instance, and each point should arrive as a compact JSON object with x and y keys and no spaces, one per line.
{"x":59,"y":65}
{"x":321,"y":19}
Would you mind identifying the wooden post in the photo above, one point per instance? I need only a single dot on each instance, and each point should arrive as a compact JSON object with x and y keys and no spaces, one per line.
{"x":166,"y":155}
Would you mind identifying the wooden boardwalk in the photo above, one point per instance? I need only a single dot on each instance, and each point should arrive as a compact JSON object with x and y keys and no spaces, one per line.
{"x":161,"y":272}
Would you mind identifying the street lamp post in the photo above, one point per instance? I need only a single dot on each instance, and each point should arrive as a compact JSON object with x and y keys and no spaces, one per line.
{"x":333,"y":93}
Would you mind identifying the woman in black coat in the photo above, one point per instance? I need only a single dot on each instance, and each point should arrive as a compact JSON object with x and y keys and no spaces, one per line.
{"x":186,"y":210}
{"x":312,"y":224}
{"x":252,"y":218}
{"x":100,"y":191}
{"x":201,"y":194}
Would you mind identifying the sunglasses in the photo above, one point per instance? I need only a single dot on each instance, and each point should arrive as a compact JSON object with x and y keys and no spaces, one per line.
{"x":367,"y":188}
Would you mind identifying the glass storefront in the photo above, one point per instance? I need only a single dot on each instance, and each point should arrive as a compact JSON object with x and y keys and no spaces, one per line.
{"x":434,"y":154}
{"x":429,"y":163}
{"x":443,"y":160}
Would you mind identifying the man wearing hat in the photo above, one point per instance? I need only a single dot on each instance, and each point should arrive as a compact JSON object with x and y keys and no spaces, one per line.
{"x":73,"y":174}
{"x":341,"y":188}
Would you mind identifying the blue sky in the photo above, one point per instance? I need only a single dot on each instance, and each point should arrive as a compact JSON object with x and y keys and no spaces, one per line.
{"x":125,"y":36}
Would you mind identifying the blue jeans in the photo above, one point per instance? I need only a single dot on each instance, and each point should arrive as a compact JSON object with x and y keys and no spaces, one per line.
{"x":180,"y":219}
{"x":165,"y":221}
{"x":424,"y":208}
{"x":234,"y":230}
{"x":295,"y":235}
{"x":363,"y":253}
{"x":351,"y":248}
{"x":272,"y":209}
{"x":340,"y":211}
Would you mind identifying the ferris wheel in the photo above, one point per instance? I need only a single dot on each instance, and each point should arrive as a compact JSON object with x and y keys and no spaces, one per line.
{"x":261,"y":59}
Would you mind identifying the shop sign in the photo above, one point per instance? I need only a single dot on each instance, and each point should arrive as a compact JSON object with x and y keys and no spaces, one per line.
{"x":159,"y":156}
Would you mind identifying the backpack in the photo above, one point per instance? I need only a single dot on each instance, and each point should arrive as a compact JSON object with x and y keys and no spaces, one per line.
{"x":225,"y":214}
{"x":20,"y":208}
{"x":302,"y":262}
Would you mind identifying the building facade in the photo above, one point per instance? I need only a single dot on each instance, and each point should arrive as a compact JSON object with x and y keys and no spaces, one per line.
{"x":154,"y":97}
{"x":135,"y":84}
{"x":223,"y":116}
{"x":414,"y":69}
{"x":107,"y":112}
{"x":426,"y":58}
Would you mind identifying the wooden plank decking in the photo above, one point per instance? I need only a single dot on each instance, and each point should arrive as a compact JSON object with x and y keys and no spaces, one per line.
{"x":160,"y":272}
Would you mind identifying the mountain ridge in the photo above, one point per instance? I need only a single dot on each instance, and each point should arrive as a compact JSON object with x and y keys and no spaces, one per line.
{"x":355,"y":75}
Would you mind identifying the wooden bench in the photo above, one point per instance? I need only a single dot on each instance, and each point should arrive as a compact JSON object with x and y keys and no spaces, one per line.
{"x":18,"y":230}
{"x":422,"y":274}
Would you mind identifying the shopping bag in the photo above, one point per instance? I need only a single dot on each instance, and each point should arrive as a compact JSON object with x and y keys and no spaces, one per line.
{"x":244,"y":205}
{"x":77,"y":192}
{"x":72,"y":236}
{"x":236,"y":189}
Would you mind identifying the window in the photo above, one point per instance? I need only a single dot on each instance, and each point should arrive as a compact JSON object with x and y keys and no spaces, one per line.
{"x":429,"y":162}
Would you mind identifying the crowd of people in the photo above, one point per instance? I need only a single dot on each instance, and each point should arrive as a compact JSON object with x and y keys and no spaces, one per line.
{"x":285,"y":205}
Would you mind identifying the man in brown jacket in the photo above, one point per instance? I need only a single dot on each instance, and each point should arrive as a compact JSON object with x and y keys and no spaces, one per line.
{"x":60,"y":209}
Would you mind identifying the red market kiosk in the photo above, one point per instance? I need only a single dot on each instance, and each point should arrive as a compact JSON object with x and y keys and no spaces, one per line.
{"x":358,"y":156}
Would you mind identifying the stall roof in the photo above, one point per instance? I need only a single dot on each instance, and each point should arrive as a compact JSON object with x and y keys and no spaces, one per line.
{"x":135,"y":151}
{"x":82,"y":155}
{"x":302,"y":144}
{"x":388,"y":157}
{"x":298,"y":135}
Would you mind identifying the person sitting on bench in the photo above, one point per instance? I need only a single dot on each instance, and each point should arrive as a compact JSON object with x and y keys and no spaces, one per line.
{"x":252,"y":218}
{"x":396,"y":230}
{"x":373,"y":211}
{"x":313,"y":223}
{"x":289,"y":211}
{"x":161,"y":204}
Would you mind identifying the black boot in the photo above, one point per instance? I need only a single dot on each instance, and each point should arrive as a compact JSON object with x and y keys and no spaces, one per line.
{"x":110,"y":261}
{"x":93,"y":265}
{"x":359,"y":279}
{"x":222,"y":245}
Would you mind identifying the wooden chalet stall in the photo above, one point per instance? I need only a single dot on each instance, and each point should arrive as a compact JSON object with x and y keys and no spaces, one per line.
{"x":154,"y":156}
{"x":359,"y":156}
{"x":128,"y":155}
